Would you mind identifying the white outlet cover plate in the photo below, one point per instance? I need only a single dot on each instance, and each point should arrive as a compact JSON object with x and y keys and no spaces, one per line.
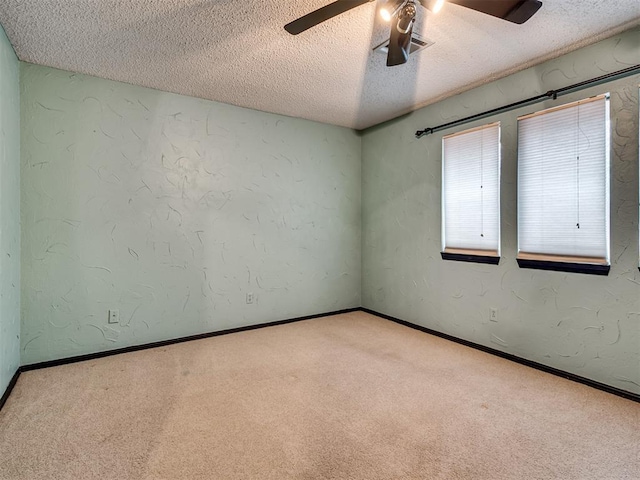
{"x":114,"y":316}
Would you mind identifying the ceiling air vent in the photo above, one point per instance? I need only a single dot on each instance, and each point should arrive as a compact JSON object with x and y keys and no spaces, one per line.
{"x":417,"y":43}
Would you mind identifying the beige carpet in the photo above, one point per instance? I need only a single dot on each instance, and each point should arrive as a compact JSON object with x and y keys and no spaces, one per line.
{"x":346,"y":397}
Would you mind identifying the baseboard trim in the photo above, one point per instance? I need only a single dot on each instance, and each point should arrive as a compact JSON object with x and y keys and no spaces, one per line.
{"x":164,"y":343}
{"x":12,"y":383}
{"x":134,"y":348}
{"x":508,"y":356}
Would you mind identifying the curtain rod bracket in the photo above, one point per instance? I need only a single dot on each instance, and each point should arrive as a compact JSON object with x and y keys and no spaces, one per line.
{"x":426,"y":131}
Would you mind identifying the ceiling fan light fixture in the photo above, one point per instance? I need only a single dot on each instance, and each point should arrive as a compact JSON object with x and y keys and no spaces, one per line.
{"x":403,"y":15}
{"x":406,"y":17}
{"x":391,"y":8}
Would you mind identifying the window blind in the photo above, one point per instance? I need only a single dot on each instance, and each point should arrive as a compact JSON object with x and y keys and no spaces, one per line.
{"x":471,"y":191}
{"x":563,"y":183}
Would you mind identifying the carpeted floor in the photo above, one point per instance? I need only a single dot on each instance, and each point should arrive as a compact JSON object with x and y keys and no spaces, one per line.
{"x":345,"y":397}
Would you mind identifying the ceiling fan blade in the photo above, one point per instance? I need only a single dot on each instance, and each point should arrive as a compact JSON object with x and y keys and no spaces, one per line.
{"x":515,"y":11}
{"x":322,"y":14}
{"x":399,"y":45}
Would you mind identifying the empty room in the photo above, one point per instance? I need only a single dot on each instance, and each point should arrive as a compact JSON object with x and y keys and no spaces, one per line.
{"x":315,"y":239}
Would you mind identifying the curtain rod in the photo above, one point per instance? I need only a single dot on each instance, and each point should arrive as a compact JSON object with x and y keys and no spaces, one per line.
{"x":538,"y":98}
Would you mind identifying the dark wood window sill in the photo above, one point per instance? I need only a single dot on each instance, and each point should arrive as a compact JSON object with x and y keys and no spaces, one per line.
{"x":463,"y":257}
{"x":586,"y":268}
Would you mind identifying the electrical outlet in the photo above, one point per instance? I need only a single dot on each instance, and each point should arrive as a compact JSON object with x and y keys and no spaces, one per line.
{"x":114,"y":316}
{"x":250,"y":298}
{"x":493,"y":316}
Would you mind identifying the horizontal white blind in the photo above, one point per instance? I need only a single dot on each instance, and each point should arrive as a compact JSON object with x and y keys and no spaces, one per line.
{"x":563,"y":181}
{"x":471,"y":190}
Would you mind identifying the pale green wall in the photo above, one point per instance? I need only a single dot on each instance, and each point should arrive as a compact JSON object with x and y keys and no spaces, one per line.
{"x":582,"y":324}
{"x":171,"y":209}
{"x":9,"y":212}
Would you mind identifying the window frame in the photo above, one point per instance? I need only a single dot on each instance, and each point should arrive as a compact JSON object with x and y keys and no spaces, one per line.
{"x":569,"y":263}
{"x":472,"y":255}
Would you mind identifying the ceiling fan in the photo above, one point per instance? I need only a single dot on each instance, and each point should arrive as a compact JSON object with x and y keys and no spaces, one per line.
{"x":402,"y":14}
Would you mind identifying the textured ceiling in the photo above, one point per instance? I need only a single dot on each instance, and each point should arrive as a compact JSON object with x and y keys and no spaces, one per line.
{"x":237,"y":52}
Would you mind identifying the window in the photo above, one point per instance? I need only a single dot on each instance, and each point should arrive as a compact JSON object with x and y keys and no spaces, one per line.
{"x":563,"y":187}
{"x":471,"y":195}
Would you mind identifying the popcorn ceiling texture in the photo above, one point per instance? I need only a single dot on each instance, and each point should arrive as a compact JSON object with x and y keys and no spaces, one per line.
{"x":171,"y":209}
{"x":9,"y":213}
{"x":237,"y":52}
{"x":583,"y":324}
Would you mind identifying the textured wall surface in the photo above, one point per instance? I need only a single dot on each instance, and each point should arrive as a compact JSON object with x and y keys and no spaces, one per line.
{"x":9,"y":212}
{"x":171,"y":209}
{"x":583,"y":324}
